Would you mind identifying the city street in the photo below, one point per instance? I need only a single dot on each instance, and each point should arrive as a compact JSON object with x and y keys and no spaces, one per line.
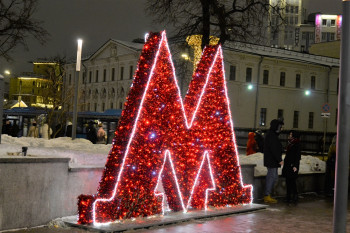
{"x":312,"y":214}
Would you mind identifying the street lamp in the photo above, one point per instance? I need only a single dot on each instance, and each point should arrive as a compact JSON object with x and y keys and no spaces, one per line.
{"x":250,"y":86}
{"x":307,"y":92}
{"x":76,"y":84}
{"x":7,"y":72}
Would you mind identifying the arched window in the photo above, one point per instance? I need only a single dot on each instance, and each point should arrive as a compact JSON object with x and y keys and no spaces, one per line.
{"x":122,"y":92}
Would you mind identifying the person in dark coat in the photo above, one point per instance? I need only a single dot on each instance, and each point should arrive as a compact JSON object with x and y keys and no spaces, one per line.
{"x":15,"y":130}
{"x":272,"y":158}
{"x":291,"y":164}
{"x":259,"y":138}
{"x":7,"y":127}
{"x":91,"y":133}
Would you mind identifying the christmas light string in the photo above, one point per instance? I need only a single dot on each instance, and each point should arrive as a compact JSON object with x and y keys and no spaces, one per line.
{"x":168,"y":155}
{"x":244,"y":192}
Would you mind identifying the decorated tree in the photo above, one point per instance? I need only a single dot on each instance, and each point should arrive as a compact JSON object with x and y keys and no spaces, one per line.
{"x":166,"y":151}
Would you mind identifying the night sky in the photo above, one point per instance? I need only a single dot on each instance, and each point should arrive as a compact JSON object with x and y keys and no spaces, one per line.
{"x":96,"y":21}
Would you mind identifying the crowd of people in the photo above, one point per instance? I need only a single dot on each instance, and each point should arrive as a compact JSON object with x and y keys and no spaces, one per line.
{"x":272,"y":148}
{"x":43,"y":130}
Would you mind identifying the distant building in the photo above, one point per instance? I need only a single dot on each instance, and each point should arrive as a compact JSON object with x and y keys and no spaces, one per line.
{"x":293,"y":29}
{"x":34,"y":89}
{"x":263,"y":83}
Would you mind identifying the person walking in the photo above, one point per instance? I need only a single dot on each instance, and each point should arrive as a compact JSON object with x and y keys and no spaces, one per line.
{"x":91,"y":133}
{"x":259,"y":138}
{"x":252,"y":146}
{"x":101,"y":135}
{"x":33,"y":130}
{"x":291,"y":164}
{"x":45,"y":131}
{"x":272,"y":158}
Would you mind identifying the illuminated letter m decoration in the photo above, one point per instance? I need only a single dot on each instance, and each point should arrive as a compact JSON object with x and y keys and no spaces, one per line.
{"x":168,"y":153}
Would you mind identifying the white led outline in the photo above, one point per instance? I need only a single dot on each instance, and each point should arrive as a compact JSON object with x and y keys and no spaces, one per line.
{"x":168,"y":155}
{"x":233,"y":132}
{"x":219,"y":51}
{"x":205,"y":156}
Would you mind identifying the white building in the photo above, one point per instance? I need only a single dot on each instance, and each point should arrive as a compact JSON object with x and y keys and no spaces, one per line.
{"x":263,"y":83}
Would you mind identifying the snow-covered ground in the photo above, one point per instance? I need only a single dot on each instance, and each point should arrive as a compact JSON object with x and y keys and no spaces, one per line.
{"x":83,"y":153}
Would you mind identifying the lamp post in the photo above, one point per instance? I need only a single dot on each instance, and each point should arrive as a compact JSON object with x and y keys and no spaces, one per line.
{"x":76,"y":86}
{"x":1,"y":102}
{"x":343,"y":128}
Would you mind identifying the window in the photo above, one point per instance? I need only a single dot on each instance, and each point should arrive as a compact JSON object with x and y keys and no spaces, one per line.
{"x":266,"y":77}
{"x":232,"y":72}
{"x":95,"y":107}
{"x":262,"y":117}
{"x":90,"y":79}
{"x":324,"y":36}
{"x":287,"y":9}
{"x":121,"y":73}
{"x":84,"y":76}
{"x":297,"y":81}
{"x":248,"y":77}
{"x":113,"y":74}
{"x":303,"y":35}
{"x":111,"y":106}
{"x":311,"y":120}
{"x":103,"y":107}
{"x":104,"y":75}
{"x":291,"y":9}
{"x":296,"y":119}
{"x":282,"y":79}
{"x":296,"y":9}
{"x":313,"y":82}
{"x":131,"y":72}
{"x":280,"y":114}
{"x":96,"y":78}
{"x":291,"y":21}
{"x":120,"y":105}
{"x":333,"y":23}
{"x":296,"y":20}
{"x":324,"y":22}
{"x":332,"y":36}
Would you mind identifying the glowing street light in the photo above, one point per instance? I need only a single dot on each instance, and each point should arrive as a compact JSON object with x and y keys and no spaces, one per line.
{"x":7,"y":72}
{"x":250,"y":87}
{"x":185,"y":56}
{"x":76,"y":84}
{"x":307,"y":92}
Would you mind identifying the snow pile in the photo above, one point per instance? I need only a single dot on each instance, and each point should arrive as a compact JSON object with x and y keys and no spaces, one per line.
{"x":83,"y":153}
{"x":308,"y":164}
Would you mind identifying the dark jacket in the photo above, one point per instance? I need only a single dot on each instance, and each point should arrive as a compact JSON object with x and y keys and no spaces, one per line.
{"x":272,"y":146}
{"x":292,"y":159}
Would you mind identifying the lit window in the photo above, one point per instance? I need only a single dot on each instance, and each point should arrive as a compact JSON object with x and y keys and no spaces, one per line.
{"x":232,"y":72}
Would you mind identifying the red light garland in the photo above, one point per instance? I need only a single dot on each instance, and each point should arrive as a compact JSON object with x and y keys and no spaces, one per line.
{"x":189,"y":147}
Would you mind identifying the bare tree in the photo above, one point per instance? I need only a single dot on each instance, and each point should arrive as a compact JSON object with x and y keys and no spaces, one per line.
{"x":229,"y":20}
{"x":17,"y":24}
{"x":53,"y":93}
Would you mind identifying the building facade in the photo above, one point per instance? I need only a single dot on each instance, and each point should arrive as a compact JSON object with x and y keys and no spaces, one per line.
{"x":263,"y":83}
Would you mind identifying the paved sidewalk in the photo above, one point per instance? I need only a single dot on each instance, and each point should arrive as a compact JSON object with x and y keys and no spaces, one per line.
{"x":312,"y":214}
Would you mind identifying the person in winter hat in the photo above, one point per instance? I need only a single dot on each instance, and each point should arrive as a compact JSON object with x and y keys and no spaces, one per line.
{"x":252,"y":146}
{"x":291,"y":164}
{"x":272,"y":157}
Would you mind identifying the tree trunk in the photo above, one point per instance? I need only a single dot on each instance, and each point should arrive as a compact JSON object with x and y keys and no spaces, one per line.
{"x":206,"y":22}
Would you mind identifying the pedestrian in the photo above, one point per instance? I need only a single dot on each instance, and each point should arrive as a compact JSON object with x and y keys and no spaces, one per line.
{"x":33,"y":130}
{"x":69,"y":129}
{"x":15,"y":130}
{"x":330,"y":167}
{"x":272,"y":158}
{"x":45,"y":131}
{"x":101,"y":135}
{"x":259,"y":138}
{"x":291,"y":164}
{"x":252,"y":146}
{"x":7,"y":127}
{"x":91,"y":133}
